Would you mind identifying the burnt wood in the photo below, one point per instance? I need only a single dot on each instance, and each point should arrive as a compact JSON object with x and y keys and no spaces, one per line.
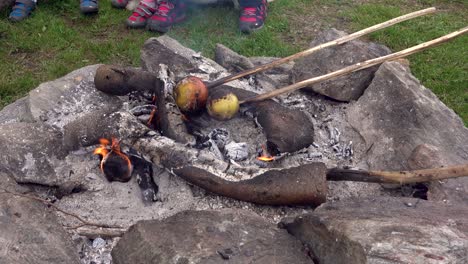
{"x":303,"y":185}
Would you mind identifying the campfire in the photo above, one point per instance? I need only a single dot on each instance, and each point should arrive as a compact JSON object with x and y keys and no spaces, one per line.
{"x":274,"y":152}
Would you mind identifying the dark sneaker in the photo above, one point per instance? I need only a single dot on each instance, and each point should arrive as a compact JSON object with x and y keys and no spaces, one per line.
{"x":252,"y":18}
{"x":166,"y":15}
{"x":21,"y":10}
{"x":119,"y":3}
{"x":89,"y":6}
{"x":140,"y":16}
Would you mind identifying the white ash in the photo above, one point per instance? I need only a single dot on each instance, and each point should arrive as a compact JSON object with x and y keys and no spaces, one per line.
{"x":236,"y":151}
{"x":97,"y":251}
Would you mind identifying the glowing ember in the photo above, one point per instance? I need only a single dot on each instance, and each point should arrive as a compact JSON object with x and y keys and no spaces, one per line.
{"x":150,"y":120}
{"x":265,"y":156}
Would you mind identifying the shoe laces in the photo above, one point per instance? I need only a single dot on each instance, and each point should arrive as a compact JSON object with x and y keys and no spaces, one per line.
{"x":249,"y":11}
{"x":164,"y":8}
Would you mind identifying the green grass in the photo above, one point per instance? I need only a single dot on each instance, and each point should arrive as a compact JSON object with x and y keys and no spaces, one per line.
{"x":57,"y":39}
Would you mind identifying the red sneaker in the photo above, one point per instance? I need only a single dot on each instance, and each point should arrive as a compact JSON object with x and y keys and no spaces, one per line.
{"x":166,"y":15}
{"x":252,"y":18}
{"x":140,"y":16}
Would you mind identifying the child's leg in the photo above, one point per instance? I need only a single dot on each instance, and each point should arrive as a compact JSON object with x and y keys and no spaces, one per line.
{"x":168,"y":13}
{"x":246,"y":3}
{"x":22,"y":9}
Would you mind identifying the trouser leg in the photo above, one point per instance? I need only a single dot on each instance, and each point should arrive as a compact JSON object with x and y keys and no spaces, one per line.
{"x":244,"y":3}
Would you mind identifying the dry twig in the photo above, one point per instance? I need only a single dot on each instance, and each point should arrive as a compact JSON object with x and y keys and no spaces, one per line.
{"x":401,"y":177}
{"x":83,"y":221}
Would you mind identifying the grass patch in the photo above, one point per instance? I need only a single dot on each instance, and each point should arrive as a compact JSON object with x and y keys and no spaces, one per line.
{"x":443,"y":69}
{"x":57,"y":39}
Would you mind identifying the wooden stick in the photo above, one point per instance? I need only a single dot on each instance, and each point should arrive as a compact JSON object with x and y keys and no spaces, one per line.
{"x":401,"y":177}
{"x":357,"y":67}
{"x":322,"y":46}
{"x":83,"y":221}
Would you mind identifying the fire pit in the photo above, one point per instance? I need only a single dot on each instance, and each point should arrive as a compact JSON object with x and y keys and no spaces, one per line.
{"x":264,"y":159}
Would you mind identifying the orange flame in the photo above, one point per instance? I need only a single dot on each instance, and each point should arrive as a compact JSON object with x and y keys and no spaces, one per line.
{"x":265,"y":155}
{"x":153,"y":113}
{"x":104,"y":149}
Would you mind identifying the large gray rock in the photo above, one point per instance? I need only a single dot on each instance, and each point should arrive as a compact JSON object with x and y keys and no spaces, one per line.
{"x":396,"y":114}
{"x":345,"y":88}
{"x":231,"y":60}
{"x":62,"y":101}
{"x":384,"y":230}
{"x":30,"y":232}
{"x":208,"y":237}
{"x":181,"y":61}
{"x":30,"y":152}
{"x":17,"y":111}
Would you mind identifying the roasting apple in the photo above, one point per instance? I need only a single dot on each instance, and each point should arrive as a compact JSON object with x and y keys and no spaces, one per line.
{"x":222,"y":105}
{"x":191,"y":94}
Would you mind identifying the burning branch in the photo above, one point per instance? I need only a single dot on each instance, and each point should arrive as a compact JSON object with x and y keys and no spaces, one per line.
{"x":357,"y":67}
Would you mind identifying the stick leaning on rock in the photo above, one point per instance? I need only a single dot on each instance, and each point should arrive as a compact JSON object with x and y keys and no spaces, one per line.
{"x":357,"y":67}
{"x":332,"y":43}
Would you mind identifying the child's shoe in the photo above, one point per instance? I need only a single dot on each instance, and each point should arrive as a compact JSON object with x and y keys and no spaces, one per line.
{"x":252,"y":18}
{"x":21,"y":10}
{"x":89,"y":6}
{"x":166,"y":15}
{"x":140,"y":16}
{"x":119,"y":3}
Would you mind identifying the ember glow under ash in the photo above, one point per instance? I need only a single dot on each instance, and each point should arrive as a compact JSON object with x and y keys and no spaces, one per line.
{"x":265,"y":156}
{"x":115,"y":165}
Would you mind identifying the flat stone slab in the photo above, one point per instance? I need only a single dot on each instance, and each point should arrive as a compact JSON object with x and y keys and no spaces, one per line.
{"x":208,"y":237}
{"x":384,"y":230}
{"x":30,"y":232}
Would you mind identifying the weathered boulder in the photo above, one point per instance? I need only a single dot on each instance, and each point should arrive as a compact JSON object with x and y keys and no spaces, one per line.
{"x":384,"y":230}
{"x":208,"y":237}
{"x":427,"y":156}
{"x":345,"y":88}
{"x":30,"y":152}
{"x":231,"y":60}
{"x":396,"y":114}
{"x":181,"y":61}
{"x":266,"y":80}
{"x":165,"y":50}
{"x":63,"y":100}
{"x":30,"y":232}
{"x":17,"y":111}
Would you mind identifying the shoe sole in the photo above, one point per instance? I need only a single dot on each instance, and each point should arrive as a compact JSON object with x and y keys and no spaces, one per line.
{"x":89,"y":10}
{"x":251,"y":30}
{"x":136,"y":25}
{"x":159,"y":28}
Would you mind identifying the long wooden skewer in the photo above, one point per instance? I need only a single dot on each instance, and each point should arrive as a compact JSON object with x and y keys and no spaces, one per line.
{"x":357,"y":67}
{"x":322,"y":46}
{"x":401,"y":177}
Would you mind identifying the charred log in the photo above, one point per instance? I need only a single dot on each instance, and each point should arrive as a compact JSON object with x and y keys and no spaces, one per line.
{"x":118,"y":80}
{"x":143,"y":171}
{"x":303,"y":185}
